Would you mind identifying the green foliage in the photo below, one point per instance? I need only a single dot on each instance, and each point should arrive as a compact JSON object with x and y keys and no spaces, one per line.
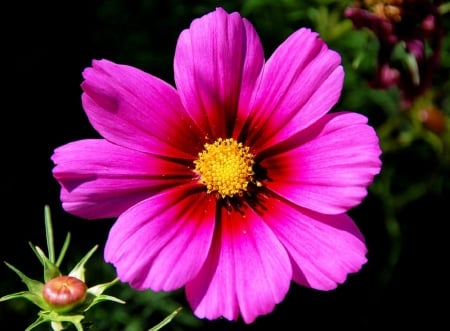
{"x":73,"y":314}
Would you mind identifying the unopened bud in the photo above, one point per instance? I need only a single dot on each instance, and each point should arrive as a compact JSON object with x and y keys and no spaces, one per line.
{"x":64,"y":292}
{"x":433,"y":119}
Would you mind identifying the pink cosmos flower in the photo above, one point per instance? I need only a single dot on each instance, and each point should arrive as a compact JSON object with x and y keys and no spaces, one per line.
{"x":232,"y":184}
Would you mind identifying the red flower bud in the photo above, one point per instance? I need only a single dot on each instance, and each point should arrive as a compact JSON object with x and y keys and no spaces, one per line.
{"x":433,"y":119}
{"x":64,"y":292}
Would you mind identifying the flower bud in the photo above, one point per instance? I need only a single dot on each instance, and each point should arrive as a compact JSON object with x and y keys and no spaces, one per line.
{"x":433,"y":119}
{"x":64,"y":292}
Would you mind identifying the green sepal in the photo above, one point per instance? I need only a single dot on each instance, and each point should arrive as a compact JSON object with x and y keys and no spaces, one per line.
{"x":37,"y":300}
{"x":34,"y":293}
{"x":166,"y":321}
{"x":39,"y":321}
{"x":51,"y":270}
{"x":63,"y":250}
{"x":102,"y":298}
{"x":94,"y":295}
{"x":79,"y":269}
{"x":100,"y":288}
{"x":57,"y":320}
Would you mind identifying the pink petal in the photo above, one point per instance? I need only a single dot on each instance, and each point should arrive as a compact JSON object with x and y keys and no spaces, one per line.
{"x":324,"y":248}
{"x":328,"y":167}
{"x":302,"y":80}
{"x":136,"y":110}
{"x":102,"y":180}
{"x":162,"y":242}
{"x":217,"y":63}
{"x":247,"y":271}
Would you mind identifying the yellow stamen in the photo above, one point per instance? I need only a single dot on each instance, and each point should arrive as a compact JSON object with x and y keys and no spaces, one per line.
{"x":225,"y":167}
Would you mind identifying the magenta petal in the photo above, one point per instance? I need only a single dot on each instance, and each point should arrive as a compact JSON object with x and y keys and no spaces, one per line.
{"x":329,"y":166}
{"x":301,"y":82}
{"x":324,"y":248}
{"x":102,"y":180}
{"x":136,"y":110}
{"x":247,"y":271}
{"x":162,"y":242}
{"x":217,"y":63}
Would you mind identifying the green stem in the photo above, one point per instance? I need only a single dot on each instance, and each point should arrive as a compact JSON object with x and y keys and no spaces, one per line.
{"x":395,"y":235}
{"x":57,"y":326}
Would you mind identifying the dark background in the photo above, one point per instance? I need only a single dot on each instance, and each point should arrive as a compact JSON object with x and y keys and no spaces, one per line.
{"x":45,"y":47}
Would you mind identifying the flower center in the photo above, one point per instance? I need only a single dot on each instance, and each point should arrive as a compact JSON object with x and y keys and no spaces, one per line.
{"x":225,"y":167}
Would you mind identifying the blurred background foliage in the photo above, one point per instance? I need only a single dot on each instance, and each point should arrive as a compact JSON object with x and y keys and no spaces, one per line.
{"x":47,"y":45}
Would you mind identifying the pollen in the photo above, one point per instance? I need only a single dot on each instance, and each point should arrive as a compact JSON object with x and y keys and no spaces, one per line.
{"x":225,"y":167}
